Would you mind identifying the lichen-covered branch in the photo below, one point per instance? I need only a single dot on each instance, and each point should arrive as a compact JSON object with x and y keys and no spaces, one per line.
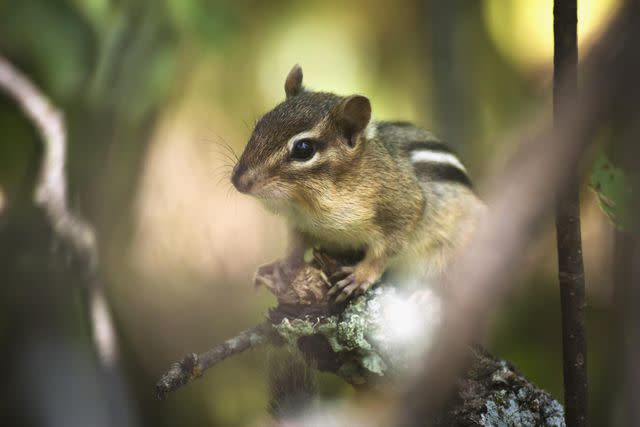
{"x":493,"y":393}
{"x":375,"y":340}
{"x":193,"y":365}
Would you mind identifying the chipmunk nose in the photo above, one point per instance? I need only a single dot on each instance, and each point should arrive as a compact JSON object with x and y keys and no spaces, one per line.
{"x":242,"y":180}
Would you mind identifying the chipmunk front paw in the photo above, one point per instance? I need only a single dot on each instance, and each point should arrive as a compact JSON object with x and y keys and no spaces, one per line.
{"x":353,"y":283}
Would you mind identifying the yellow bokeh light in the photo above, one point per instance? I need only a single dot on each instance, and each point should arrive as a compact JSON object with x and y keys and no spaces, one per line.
{"x":341,"y":58}
{"x":329,"y":55}
{"x":523,"y":29}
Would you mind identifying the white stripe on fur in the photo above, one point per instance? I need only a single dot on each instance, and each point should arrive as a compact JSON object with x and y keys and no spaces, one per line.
{"x":426,"y":156}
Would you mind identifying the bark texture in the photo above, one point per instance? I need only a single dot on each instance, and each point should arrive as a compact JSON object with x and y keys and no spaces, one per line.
{"x":569,"y":241}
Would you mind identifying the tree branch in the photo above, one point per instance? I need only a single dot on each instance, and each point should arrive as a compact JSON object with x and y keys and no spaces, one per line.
{"x":569,"y":241}
{"x":51,"y":196}
{"x":193,"y":365}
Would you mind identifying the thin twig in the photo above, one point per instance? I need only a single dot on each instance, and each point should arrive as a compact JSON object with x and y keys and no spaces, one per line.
{"x":51,"y":196}
{"x":192,"y":366}
{"x":569,"y":241}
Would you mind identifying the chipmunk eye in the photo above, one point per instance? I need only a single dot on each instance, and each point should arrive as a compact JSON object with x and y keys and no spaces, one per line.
{"x":303,"y":149}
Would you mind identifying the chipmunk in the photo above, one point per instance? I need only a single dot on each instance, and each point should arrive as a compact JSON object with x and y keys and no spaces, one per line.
{"x":344,"y":182}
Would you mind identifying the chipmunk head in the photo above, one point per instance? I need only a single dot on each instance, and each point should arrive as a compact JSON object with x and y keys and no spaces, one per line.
{"x":303,"y":146}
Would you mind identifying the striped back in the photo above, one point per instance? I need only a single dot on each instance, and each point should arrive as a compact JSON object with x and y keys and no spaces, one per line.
{"x":432,"y":160}
{"x":435,"y":161}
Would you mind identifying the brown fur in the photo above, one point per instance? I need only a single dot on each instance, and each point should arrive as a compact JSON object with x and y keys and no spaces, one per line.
{"x":360,"y":191}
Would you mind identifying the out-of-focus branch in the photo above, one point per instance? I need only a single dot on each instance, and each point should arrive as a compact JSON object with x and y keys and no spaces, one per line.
{"x":521,"y":200}
{"x":51,"y":196}
{"x":51,"y":190}
{"x":632,"y":330}
{"x":193,"y":365}
{"x":627,"y":278}
{"x":569,"y":240}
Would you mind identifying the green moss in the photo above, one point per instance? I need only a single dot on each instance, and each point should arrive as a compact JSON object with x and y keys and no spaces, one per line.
{"x":291,"y":330}
{"x":350,"y":332}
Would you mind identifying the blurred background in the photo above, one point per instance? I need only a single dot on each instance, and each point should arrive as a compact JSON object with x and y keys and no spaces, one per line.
{"x":154,"y":91}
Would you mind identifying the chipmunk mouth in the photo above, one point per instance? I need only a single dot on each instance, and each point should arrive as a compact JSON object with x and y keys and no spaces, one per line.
{"x":270,"y":190}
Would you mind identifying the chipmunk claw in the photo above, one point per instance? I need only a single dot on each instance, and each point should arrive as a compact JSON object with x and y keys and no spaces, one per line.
{"x":340,"y":285}
{"x":348,"y":287}
{"x":342,"y":273}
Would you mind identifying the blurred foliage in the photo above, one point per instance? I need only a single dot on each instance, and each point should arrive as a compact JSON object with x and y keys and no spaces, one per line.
{"x":212,"y":23}
{"x":613,"y":187}
{"x":108,"y":65}
{"x":139,"y":80}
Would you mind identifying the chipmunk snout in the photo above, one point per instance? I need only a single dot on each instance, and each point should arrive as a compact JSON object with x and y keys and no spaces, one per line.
{"x":242,"y":179}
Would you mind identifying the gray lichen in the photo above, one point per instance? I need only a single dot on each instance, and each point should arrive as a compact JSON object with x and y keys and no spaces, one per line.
{"x":509,"y":408}
{"x":366,"y":349}
{"x":361,"y":334}
{"x":494,"y":394}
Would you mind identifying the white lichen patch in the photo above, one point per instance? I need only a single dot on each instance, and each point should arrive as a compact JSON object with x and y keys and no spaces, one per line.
{"x":526,"y":407}
{"x":383,"y":331}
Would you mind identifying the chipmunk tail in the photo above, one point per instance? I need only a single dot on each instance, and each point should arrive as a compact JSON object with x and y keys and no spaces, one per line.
{"x":293,"y":386}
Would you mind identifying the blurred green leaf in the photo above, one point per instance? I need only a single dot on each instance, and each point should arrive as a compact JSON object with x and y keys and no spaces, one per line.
{"x":97,"y":12}
{"x":51,"y":42}
{"x":212,"y":22}
{"x":136,"y":56}
{"x":613,"y":187}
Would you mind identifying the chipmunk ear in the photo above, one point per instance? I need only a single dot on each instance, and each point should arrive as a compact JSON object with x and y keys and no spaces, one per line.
{"x":353,"y":115}
{"x":293,"y":83}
